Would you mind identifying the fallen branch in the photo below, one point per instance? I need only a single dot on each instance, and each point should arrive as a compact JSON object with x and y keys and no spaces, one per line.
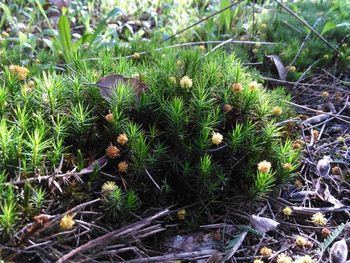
{"x":310,"y":210}
{"x":102,"y":240}
{"x":57,"y":174}
{"x":38,"y":227}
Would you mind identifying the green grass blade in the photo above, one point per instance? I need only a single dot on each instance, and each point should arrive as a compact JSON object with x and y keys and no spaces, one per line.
{"x":102,"y":24}
{"x":65,"y":37}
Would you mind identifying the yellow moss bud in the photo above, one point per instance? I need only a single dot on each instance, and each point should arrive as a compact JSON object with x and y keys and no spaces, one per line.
{"x":276,"y":111}
{"x":123,"y":167}
{"x":136,"y":56}
{"x":304,"y":259}
{"x":67,"y":222}
{"x":181,"y":214}
{"x":287,"y":166}
{"x":292,"y":69}
{"x":179,"y":63}
{"x":109,"y":186}
{"x":122,"y":139}
{"x":186,"y":82}
{"x":109,"y":118}
{"x":300,"y":241}
{"x":319,"y":219}
{"x":216,"y":138}
{"x":227,"y":108}
{"x":287,"y":211}
{"x":324,"y":94}
{"x":237,"y":87}
{"x":173,"y":80}
{"x":284,"y":258}
{"x":265,"y":251}
{"x":4,"y":34}
{"x":20,"y":72}
{"x":264,"y":166}
{"x":112,"y":151}
{"x":253,"y":86}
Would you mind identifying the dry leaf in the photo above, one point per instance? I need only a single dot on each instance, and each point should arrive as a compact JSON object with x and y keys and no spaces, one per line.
{"x":277,"y":62}
{"x":108,"y":83}
{"x":234,"y":245}
{"x":317,"y":119}
{"x":323,"y":166}
{"x":263,"y":224}
{"x":190,"y":242}
{"x":101,"y":162}
{"x":323,"y":193}
{"x":338,"y":252}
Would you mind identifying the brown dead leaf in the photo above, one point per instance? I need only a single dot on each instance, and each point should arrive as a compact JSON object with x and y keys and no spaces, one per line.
{"x":99,"y":163}
{"x":322,"y":190}
{"x":108,"y":83}
{"x":323,"y":193}
{"x":278,"y":64}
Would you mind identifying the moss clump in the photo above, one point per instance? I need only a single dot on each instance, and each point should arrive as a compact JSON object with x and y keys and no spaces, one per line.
{"x":189,"y":136}
{"x":183,"y":134}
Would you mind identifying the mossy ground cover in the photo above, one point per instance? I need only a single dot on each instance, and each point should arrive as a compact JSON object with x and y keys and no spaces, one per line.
{"x":200,"y":129}
{"x":96,"y":134}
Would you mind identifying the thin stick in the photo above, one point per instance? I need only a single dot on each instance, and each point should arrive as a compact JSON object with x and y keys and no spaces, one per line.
{"x":293,"y":83}
{"x":202,"y":20}
{"x":149,"y":175}
{"x":318,"y":111}
{"x":310,"y":211}
{"x":191,"y":44}
{"x":327,"y":120}
{"x":307,"y":146}
{"x":218,"y":46}
{"x":304,"y":42}
{"x":307,"y":25}
{"x":112,"y":235}
{"x":303,"y":75}
{"x":70,"y":211}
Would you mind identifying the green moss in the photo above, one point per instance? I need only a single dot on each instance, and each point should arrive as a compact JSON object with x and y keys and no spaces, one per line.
{"x":56,"y":119}
{"x":185,"y":118}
